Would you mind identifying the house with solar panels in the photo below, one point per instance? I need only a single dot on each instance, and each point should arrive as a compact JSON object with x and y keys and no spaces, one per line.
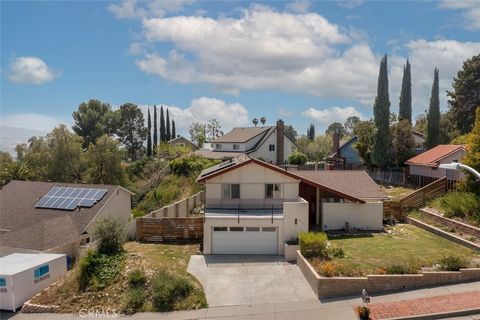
{"x":56,"y":217}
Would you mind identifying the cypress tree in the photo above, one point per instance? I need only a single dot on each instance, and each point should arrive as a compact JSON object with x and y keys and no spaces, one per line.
{"x":149,"y":137}
{"x":162,"y":126}
{"x":174,"y":133}
{"x":381,"y":115}
{"x":168,"y":133}
{"x":405,"y":112}
{"x":433,"y":116}
{"x":311,"y":132}
{"x":155,"y":133}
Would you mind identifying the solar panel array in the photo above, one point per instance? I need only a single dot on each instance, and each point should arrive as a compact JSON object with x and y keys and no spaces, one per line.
{"x":67,"y":198}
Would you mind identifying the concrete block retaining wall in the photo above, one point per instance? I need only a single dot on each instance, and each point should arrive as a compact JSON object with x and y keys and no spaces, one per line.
{"x":345,"y":286}
{"x":443,"y":234}
{"x":179,"y":209}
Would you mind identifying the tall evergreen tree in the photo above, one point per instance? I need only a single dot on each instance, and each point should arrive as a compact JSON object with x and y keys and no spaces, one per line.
{"x":155,"y":129}
{"x":162,"y":126}
{"x":311,"y":132}
{"x":168,"y":133}
{"x":433,"y":116}
{"x":149,"y":137}
{"x":174,"y":132}
{"x":405,"y":112}
{"x":381,"y":117}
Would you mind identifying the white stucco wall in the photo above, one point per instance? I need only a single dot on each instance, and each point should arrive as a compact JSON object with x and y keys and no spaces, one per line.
{"x":228,"y":146}
{"x":366,"y":216}
{"x":439,"y":173}
{"x":295,"y":218}
{"x":263,"y":151}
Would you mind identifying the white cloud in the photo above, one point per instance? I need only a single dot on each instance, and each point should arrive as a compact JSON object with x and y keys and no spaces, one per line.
{"x":203,"y":109}
{"x":470,"y":10}
{"x":334,"y":114}
{"x":300,"y":6}
{"x":350,"y":4}
{"x":31,"y":70}
{"x":31,"y":121}
{"x":130,"y":9}
{"x":285,"y":112}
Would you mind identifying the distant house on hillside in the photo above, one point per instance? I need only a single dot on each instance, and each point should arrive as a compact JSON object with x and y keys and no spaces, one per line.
{"x":56,"y":217}
{"x":269,"y":143}
{"x":345,"y":156}
{"x":426,"y":164}
{"x":419,"y":141}
{"x":181,"y":141}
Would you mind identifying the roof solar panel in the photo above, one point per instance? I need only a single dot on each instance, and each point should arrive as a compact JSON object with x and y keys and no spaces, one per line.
{"x":67,"y":198}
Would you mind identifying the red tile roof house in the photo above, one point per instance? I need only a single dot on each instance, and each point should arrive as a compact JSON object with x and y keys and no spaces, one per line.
{"x":427,"y":163}
{"x":56,"y":227}
{"x":253,"y":207}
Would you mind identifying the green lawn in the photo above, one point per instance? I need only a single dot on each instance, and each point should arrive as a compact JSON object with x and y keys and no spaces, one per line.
{"x":401,"y":244}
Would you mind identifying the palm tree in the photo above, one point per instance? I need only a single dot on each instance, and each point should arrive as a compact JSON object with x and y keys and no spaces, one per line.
{"x":255,"y":121}
{"x":263,"y":120}
{"x":19,"y":170}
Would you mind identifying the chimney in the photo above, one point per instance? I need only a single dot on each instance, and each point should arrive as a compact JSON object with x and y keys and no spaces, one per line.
{"x":280,"y":142}
{"x":336,"y":142}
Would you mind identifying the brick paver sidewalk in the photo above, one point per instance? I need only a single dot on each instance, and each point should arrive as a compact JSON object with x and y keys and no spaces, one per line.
{"x":421,"y":306}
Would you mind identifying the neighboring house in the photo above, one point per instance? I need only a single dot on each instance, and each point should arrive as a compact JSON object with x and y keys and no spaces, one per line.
{"x":419,"y":139}
{"x":253,"y":207}
{"x":427,"y":163}
{"x":345,"y":155}
{"x":180,"y":141}
{"x":269,"y":143}
{"x":56,"y":217}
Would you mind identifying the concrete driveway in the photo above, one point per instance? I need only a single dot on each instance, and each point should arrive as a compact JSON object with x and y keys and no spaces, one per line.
{"x":248,"y":280}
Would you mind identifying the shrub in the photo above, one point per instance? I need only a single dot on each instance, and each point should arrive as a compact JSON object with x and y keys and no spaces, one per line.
{"x":292,"y":241}
{"x":111,"y":235}
{"x":134,"y":300}
{"x":86,"y":268}
{"x":452,"y":263}
{"x":402,"y":268}
{"x":297,"y":158}
{"x":167,"y":289}
{"x":313,"y":245}
{"x":328,"y":269}
{"x":189,"y":165}
{"x":336,"y":252}
{"x":136,"y":278}
{"x":363,"y":312}
{"x":98,"y":270}
{"x":458,"y":204}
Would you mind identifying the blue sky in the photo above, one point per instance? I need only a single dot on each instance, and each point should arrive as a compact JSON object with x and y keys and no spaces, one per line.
{"x":304,"y":62}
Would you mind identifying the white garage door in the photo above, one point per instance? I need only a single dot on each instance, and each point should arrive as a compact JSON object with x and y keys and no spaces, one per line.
{"x":244,"y":240}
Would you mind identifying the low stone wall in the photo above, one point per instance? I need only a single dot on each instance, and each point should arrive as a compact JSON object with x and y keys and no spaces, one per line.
{"x":290,"y":252}
{"x":430,"y":216}
{"x":443,"y":234}
{"x":38,"y":308}
{"x":345,"y":286}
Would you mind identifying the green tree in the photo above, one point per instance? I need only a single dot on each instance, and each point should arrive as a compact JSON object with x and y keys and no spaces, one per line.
{"x":17,"y":170}
{"x":37,"y":154}
{"x":213,"y":129}
{"x":403,"y":142}
{"x":405,"y":110}
{"x":174,"y":131}
{"x":263,"y":120}
{"x":311,"y":132}
{"x":94,"y":119}
{"x":365,"y":132}
{"x":65,"y":155}
{"x":104,"y":162}
{"x":297,"y":158}
{"x":5,"y":158}
{"x":163,"y":135}
{"x":421,"y":125}
{"x":132,"y":131}
{"x":433,"y":116}
{"x":197,"y":133}
{"x":336,"y":127}
{"x":472,"y":158}
{"x":350,"y":124}
{"x":168,"y":133}
{"x":381,"y":112}
{"x":290,"y":132}
{"x":317,"y":149}
{"x":465,"y":96}
{"x":149,"y":137}
{"x":155,"y":130}
{"x":255,"y":121}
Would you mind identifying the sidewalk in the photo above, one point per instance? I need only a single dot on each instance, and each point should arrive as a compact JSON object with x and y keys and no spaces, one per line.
{"x":338,"y":309}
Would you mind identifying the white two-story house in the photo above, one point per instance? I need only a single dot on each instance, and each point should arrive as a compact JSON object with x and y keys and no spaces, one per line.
{"x":253,"y":207}
{"x":269,"y":143}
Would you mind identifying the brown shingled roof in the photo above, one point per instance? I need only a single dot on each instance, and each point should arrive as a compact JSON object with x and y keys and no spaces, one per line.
{"x":433,"y":156}
{"x":241,"y":135}
{"x":38,"y":228}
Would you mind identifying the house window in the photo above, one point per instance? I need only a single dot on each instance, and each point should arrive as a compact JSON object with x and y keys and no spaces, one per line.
{"x":434,"y":168}
{"x":252,"y":229}
{"x":231,"y":191}
{"x":236,"y":147}
{"x":269,"y":229}
{"x":181,"y":144}
{"x":220,"y":229}
{"x":218,"y":146}
{"x":455,"y":160}
{"x":236,"y":229}
{"x":273,"y":191}
{"x":271,"y":147}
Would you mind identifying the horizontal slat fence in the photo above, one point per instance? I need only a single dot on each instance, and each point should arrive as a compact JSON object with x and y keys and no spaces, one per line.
{"x":169,"y":229}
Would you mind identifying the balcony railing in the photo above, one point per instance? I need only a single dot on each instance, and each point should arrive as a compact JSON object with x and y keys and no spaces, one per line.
{"x":242,"y":210}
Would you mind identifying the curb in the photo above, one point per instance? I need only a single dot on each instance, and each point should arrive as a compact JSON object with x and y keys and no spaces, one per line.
{"x":440,"y":315}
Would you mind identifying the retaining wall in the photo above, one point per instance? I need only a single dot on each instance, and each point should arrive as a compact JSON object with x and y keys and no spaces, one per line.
{"x":179,"y":209}
{"x":459,"y":226}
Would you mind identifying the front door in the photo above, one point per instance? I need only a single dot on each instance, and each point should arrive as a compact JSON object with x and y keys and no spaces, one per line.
{"x":309,"y":193}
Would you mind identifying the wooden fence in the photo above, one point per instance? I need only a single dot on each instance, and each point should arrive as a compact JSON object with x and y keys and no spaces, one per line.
{"x":169,"y":229}
{"x":416,"y":199}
